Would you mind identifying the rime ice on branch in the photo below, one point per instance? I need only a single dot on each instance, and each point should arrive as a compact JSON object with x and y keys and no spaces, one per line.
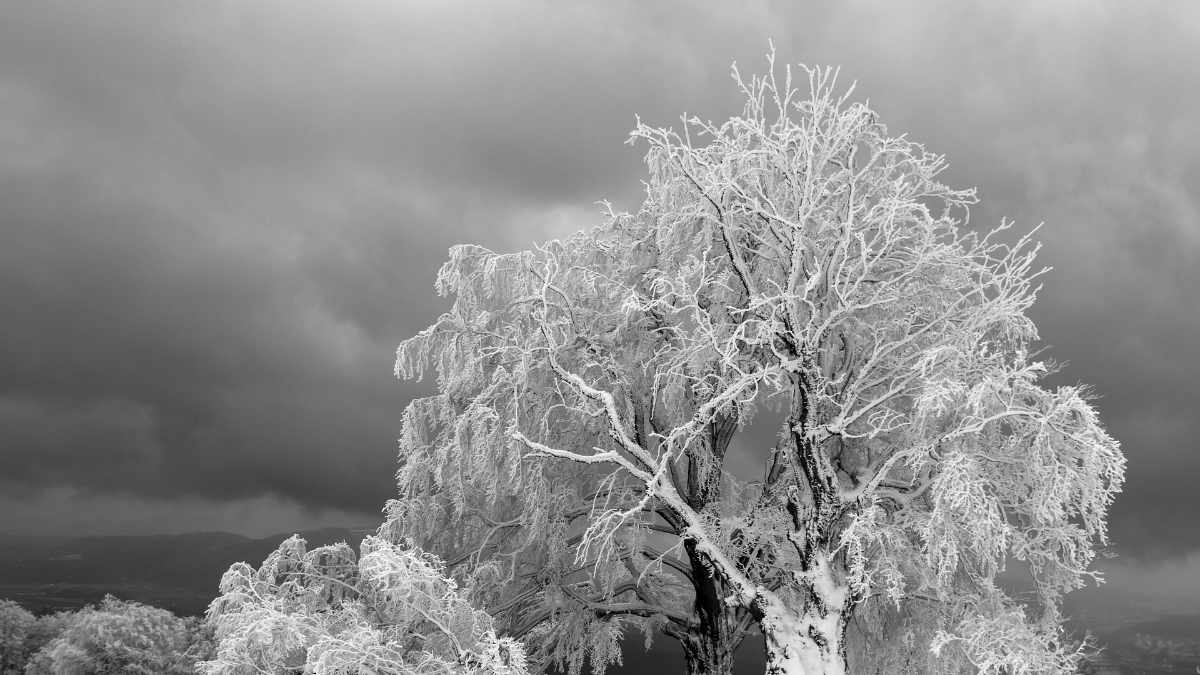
{"x":796,"y":258}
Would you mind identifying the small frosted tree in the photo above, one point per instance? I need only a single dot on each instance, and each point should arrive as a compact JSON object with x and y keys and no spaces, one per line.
{"x":800,"y":260}
{"x":388,"y":609}
{"x":44,"y":630}
{"x":16,"y":622}
{"x":116,"y":637}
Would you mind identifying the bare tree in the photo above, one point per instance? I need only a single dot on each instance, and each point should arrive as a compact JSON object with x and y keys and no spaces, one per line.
{"x":796,"y":259}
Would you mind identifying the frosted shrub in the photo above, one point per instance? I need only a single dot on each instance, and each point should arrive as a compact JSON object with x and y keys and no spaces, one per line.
{"x":117,"y":637}
{"x":15,"y":625}
{"x":387,"y":609}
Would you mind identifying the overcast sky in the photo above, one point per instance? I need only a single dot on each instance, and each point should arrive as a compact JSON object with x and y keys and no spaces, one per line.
{"x":218,"y":219}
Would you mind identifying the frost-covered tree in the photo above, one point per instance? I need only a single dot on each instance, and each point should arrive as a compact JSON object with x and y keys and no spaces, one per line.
{"x":16,"y":622}
{"x":116,"y":637}
{"x":800,"y":261}
{"x":389,"y":610}
{"x":45,"y":629}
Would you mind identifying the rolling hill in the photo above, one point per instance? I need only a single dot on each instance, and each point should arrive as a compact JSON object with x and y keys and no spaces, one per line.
{"x":176,"y":572}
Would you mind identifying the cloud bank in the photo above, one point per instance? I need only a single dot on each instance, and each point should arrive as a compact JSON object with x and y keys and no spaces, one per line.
{"x":219,"y":220}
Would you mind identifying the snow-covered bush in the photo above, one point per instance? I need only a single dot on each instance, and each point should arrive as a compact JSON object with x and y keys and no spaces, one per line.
{"x":15,"y":624}
{"x":116,"y":637}
{"x":388,"y":609}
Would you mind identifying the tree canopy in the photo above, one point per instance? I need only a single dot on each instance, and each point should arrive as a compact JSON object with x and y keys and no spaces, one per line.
{"x":797,"y":261}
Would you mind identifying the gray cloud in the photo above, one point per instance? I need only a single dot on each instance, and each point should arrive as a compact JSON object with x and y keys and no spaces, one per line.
{"x":1136,"y":591}
{"x":219,"y":220}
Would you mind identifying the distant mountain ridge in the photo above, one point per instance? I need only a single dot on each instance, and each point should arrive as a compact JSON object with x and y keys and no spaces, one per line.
{"x":179,"y":572}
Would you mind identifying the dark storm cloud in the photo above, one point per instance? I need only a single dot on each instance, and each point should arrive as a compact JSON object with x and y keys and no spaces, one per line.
{"x":218,"y":220}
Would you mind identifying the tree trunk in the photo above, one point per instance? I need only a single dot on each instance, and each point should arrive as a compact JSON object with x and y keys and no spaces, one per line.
{"x":709,"y":646}
{"x":804,"y":644}
{"x":704,"y":655}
